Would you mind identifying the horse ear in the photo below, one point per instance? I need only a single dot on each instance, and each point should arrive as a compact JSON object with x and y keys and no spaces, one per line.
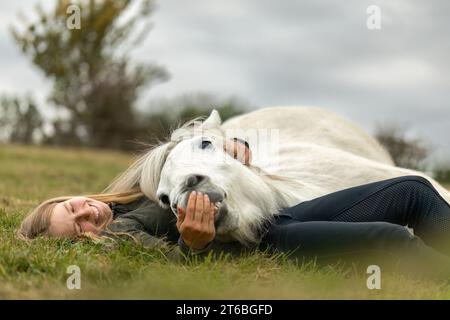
{"x":213,"y":121}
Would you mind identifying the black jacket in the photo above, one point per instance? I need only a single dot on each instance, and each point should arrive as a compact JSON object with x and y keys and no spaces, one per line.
{"x":155,"y":227}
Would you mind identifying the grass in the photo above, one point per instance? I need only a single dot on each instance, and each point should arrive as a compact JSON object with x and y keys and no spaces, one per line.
{"x":38,"y":270}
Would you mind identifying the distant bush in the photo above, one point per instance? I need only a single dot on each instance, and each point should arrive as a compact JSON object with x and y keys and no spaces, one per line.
{"x":442,"y":174}
{"x":406,"y":152}
{"x":20,"y":120}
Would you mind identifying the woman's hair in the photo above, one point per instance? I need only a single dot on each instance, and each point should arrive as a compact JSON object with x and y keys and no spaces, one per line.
{"x":38,"y":221}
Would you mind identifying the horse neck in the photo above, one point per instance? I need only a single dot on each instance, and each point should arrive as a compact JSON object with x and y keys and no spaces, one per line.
{"x":286,"y":192}
{"x":283,"y":192}
{"x":260,"y":199}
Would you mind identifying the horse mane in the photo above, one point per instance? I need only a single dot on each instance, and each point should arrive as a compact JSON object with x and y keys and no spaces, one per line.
{"x":129,"y":179}
{"x":151,"y":169}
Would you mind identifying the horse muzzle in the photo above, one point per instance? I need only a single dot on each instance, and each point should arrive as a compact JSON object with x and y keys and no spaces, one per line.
{"x":216,"y":197}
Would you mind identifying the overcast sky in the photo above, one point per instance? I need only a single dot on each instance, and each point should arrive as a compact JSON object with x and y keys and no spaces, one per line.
{"x":291,"y":52}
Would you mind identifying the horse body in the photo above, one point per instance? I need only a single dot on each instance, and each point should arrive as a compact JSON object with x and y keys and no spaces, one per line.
{"x":313,"y":125}
{"x":318,"y":153}
{"x":323,"y":151}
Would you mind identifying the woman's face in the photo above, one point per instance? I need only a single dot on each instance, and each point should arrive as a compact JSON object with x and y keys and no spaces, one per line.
{"x":77,"y":216}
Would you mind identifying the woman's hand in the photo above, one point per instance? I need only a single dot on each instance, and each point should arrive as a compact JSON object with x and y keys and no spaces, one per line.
{"x":196,"y":224}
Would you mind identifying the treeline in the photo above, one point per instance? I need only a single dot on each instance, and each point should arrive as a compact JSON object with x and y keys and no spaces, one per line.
{"x":21,"y":121}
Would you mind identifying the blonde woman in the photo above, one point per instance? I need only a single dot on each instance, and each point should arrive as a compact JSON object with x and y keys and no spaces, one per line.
{"x":126,"y":214}
{"x":125,"y":211}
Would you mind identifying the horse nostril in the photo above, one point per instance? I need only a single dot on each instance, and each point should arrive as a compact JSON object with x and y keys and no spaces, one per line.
{"x":193,"y":180}
{"x":164,"y":199}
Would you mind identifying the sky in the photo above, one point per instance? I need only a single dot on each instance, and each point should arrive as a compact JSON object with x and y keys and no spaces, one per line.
{"x":273,"y":53}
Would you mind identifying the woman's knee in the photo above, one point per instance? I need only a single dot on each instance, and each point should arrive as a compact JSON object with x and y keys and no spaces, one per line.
{"x":414,"y":179}
{"x":415,"y":183}
{"x":389,"y":233}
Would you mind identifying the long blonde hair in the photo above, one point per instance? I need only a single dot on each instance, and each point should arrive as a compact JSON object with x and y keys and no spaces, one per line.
{"x":38,"y":221}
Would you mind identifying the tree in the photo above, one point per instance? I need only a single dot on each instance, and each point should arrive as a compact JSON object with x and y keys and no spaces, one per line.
{"x":93,"y":78}
{"x":20,"y":120}
{"x":406,"y":152}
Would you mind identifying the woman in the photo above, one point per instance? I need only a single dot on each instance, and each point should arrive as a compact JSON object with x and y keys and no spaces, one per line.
{"x":400,"y":201}
{"x":351,"y":223}
{"x":127,"y":214}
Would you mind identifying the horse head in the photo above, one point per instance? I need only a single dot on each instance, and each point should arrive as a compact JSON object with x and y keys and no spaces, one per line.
{"x":197,"y":159}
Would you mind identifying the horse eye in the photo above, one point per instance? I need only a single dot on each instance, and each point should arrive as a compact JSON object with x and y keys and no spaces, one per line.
{"x":206,"y":144}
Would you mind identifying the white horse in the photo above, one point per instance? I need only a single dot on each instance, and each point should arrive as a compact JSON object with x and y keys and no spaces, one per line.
{"x":318,"y":153}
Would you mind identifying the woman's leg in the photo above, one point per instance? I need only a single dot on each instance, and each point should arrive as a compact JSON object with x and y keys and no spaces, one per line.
{"x":408,"y":201}
{"x":376,"y":242}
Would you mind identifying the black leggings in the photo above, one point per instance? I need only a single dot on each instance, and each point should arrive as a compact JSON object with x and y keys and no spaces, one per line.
{"x":367,"y":218}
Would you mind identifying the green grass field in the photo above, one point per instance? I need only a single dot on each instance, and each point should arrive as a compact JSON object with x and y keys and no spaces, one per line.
{"x":38,"y":269}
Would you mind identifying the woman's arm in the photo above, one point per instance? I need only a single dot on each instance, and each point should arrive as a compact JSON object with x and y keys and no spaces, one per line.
{"x":146,"y":222}
{"x":155,"y":227}
{"x":129,"y":226}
